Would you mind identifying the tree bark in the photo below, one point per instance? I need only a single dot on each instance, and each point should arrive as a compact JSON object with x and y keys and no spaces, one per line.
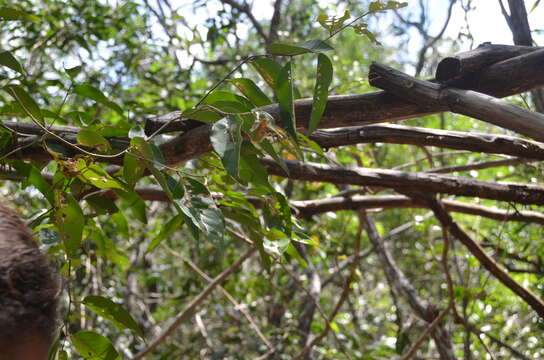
{"x":406,"y":181}
{"x":471,"y":103}
{"x":398,"y":134}
{"x":455,"y":68}
{"x":475,"y":249}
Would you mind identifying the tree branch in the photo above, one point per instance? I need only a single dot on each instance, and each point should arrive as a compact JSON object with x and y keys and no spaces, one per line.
{"x":476,"y":250}
{"x":193,"y":304}
{"x":402,"y":285}
{"x":401,"y":180}
{"x":309,"y":208}
{"x":465,"y":64}
{"x":398,"y":134}
{"x":477,"y":105}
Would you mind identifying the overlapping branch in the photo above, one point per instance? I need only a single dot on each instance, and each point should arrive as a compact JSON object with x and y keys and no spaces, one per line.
{"x":403,"y":181}
{"x":475,"y":249}
{"x":471,"y":103}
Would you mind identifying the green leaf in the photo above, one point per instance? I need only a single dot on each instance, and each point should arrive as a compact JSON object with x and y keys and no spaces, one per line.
{"x":251,"y":169}
{"x":205,"y":216}
{"x":90,"y":92}
{"x":220,"y":96}
{"x":378,"y":5}
{"x":95,"y":175}
{"x":202,"y":212}
{"x":175,"y":187}
{"x":8,"y":60}
{"x":284,"y":93}
{"x":32,"y":176}
{"x":91,"y":138}
{"x":167,"y":230}
{"x":226,"y":139}
{"x":113,"y":312}
{"x":102,"y":205}
{"x":362,"y":30}
{"x":204,"y":115}
{"x":14,"y":14}
{"x":333,"y":23}
{"x":268,"y":69}
{"x":93,"y":346}
{"x":133,"y":169}
{"x":73,"y":71}
{"x":316,"y":46}
{"x":70,"y":221}
{"x":292,"y":251}
{"x":321,"y":91}
{"x":150,"y":153}
{"x":132,"y":201}
{"x":80,"y":117}
{"x":251,"y":91}
{"x":26,"y":102}
{"x":269,"y":149}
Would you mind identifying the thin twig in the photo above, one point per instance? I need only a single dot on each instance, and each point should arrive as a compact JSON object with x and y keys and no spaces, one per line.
{"x":237,"y":306}
{"x":60,"y":138}
{"x":343,"y":296}
{"x":193,"y":304}
{"x":426,"y":333}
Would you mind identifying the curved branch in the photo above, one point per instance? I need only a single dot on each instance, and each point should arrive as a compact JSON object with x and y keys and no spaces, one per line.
{"x":474,"y":104}
{"x":475,"y":249}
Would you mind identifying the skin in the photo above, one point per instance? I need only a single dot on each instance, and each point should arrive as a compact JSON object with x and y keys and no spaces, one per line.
{"x":35,"y":346}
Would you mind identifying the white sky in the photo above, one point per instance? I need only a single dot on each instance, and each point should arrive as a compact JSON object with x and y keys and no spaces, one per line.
{"x":486,"y":21}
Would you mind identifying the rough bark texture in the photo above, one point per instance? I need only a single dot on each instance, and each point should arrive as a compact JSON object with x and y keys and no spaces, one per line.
{"x":406,"y":181}
{"x":468,"y":63}
{"x":397,"y":134}
{"x":477,"y":105}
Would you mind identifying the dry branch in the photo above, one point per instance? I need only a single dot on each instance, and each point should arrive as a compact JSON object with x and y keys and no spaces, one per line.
{"x":504,"y":78}
{"x":512,"y":76}
{"x":398,"y":134}
{"x":309,"y":208}
{"x":410,"y":181}
{"x":475,"y":249}
{"x":471,"y":103}
{"x":468,"y":63}
{"x":404,"y":287}
{"x":508,"y":77}
{"x":193,"y":304}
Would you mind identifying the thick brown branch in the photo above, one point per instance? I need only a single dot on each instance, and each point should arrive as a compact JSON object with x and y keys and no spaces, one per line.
{"x":477,"y":105}
{"x":523,"y":73}
{"x":475,"y":249}
{"x":468,"y":63}
{"x":508,"y":77}
{"x":397,"y":134}
{"x":405,"y":181}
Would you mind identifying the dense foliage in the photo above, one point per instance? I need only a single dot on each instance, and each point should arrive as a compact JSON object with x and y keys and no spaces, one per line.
{"x":138,"y":232}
